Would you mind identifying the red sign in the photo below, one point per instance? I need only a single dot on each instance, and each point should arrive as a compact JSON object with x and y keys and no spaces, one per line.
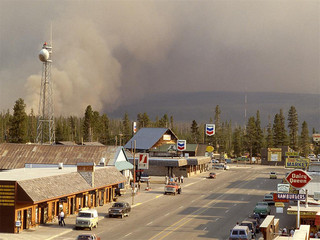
{"x":298,"y":178}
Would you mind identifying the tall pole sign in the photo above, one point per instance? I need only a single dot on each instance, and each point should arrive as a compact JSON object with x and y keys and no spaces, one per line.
{"x":210,"y":129}
{"x":298,"y":178}
{"x":181,"y":145}
{"x":143,"y":161}
{"x":134,"y":127}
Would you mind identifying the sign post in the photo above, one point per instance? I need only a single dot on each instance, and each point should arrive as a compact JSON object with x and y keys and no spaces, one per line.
{"x":298,"y":179}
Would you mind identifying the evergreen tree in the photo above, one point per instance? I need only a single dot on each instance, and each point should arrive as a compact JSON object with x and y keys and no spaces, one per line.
{"x":164,"y":121}
{"x":293,"y":128}
{"x":250,"y":137}
{"x":87,"y":125}
{"x":171,"y":123}
{"x":269,"y":139}
{"x":259,"y":135}
{"x":279,"y":131}
{"x":143,"y":120}
{"x":305,"y":140}
{"x":127,"y":133}
{"x":105,"y":137}
{"x":32,"y":127}
{"x":237,"y":142}
{"x":18,"y":123}
{"x":195,"y":135}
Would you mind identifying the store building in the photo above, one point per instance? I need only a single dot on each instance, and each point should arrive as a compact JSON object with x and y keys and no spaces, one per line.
{"x":33,"y":196}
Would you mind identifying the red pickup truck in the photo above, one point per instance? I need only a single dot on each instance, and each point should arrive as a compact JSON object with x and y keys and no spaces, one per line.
{"x":172,"y":188}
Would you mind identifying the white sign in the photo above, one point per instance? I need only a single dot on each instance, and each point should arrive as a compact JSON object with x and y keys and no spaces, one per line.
{"x":316,"y":137}
{"x":274,"y":157}
{"x":283,"y":187}
{"x":143,"y":161}
{"x":279,"y":210}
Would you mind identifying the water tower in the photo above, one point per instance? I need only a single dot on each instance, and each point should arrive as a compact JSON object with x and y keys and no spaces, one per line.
{"x":45,"y":125}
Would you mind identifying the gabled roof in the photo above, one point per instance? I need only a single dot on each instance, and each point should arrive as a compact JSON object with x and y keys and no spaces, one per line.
{"x":146,"y":137}
{"x":17,"y":155}
{"x":45,"y":188}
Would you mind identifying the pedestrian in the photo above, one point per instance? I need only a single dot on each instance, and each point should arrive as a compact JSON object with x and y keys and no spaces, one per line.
{"x":181,"y":178}
{"x":291,"y":232}
{"x":59,"y":219}
{"x":284,"y":231}
{"x":62,"y":218}
{"x":139,"y":185}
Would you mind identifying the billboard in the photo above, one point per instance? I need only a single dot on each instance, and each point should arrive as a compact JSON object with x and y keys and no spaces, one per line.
{"x":301,"y":163}
{"x":274,"y":154}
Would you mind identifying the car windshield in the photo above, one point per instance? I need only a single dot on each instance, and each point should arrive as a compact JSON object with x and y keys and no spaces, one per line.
{"x":118,"y":205}
{"x":82,"y":214}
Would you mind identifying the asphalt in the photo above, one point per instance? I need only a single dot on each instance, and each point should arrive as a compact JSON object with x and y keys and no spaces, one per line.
{"x":53,"y":230}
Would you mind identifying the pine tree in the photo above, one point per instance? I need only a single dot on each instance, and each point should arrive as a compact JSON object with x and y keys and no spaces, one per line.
{"x":259,"y":135}
{"x":127,"y":133}
{"x":293,"y":128}
{"x":18,"y":123}
{"x":164,"y":121}
{"x":279,"y":131}
{"x":195,"y":135}
{"x":250,"y":137}
{"x":87,"y":125}
{"x":305,"y":140}
{"x":32,"y":127}
{"x":269,"y":136}
{"x":237,"y":142}
{"x":105,"y":137}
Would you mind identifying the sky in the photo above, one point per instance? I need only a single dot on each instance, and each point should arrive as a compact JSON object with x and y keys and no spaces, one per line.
{"x":108,"y":53}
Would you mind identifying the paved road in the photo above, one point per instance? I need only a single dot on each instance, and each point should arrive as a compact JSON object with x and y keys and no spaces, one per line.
{"x":206,"y":209}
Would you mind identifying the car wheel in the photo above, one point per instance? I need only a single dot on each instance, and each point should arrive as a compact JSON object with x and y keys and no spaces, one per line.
{"x":110,"y":216}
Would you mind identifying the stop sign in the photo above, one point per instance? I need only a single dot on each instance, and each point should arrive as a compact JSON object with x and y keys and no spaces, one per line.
{"x":298,"y":178}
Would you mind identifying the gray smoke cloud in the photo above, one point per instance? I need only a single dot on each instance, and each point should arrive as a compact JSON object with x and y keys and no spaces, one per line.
{"x":107,"y":53}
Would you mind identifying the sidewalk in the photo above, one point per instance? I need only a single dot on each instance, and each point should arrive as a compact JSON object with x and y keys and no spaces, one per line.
{"x":52,"y":230}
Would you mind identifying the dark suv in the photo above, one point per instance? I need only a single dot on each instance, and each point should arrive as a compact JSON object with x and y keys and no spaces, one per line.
{"x":119,"y":209}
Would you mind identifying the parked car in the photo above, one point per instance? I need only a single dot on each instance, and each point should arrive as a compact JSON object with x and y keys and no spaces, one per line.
{"x":273,"y":175}
{"x":87,"y":218}
{"x":256,"y":223}
{"x":243,"y":158}
{"x":219,"y":166}
{"x":121,"y":209}
{"x":212,"y":175}
{"x":240,"y":232}
{"x":256,"y":216}
{"x":172,"y":188}
{"x":268,"y":198}
{"x":144,"y":177}
{"x":88,"y":237}
{"x":262,"y":208}
{"x":251,"y":226}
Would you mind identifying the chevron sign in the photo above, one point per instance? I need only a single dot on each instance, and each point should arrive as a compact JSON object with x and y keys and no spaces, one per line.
{"x":210,"y":129}
{"x":143,"y":161}
{"x":181,"y":145}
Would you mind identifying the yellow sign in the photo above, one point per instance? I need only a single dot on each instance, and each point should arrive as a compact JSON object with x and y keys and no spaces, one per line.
{"x":274,"y":154}
{"x":279,"y":204}
{"x":7,"y":195}
{"x":209,"y":149}
{"x":294,"y":212}
{"x":297,"y":163}
{"x":292,"y":154}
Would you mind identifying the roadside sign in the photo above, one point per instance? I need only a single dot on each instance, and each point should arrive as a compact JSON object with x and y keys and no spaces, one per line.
{"x":283,"y":187}
{"x":296,"y":154}
{"x":134,"y":127}
{"x":181,"y":145}
{"x":297,"y":163}
{"x":316,"y":137}
{"x":143,"y":161}
{"x":298,"y":178}
{"x":291,"y":196}
{"x":209,"y":149}
{"x":279,"y":204}
{"x":210,"y":129}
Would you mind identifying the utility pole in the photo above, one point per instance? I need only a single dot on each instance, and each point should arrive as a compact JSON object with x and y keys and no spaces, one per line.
{"x":134,"y":170}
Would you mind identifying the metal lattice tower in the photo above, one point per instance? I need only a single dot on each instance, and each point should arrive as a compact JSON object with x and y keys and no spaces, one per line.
{"x":45,"y":125}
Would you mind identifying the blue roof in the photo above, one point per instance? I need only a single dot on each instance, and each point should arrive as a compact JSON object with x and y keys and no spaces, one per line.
{"x":146,"y":138}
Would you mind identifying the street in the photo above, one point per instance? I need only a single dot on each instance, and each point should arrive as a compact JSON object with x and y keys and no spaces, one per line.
{"x":206,"y":209}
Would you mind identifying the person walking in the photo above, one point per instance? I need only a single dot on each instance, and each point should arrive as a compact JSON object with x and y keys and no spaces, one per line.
{"x":181,"y":178}
{"x":62,"y":218}
{"x":59,"y":219}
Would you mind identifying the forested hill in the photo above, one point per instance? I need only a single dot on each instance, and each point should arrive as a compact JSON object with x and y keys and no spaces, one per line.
{"x":200,"y":106}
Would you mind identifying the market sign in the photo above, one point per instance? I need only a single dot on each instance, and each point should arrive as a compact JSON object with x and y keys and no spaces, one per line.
{"x":291,"y":196}
{"x":298,"y":179}
{"x":297,"y":163}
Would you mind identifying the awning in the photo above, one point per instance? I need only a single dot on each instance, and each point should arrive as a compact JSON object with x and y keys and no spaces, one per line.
{"x":123,"y":165}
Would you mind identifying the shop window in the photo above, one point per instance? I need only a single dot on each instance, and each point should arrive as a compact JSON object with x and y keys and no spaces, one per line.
{"x":29,"y":217}
{"x":18,"y":215}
